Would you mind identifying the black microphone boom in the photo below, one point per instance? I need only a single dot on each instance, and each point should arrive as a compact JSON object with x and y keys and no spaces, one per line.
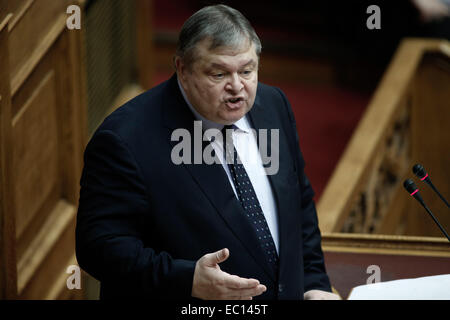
{"x":410,"y":186}
{"x":420,"y":172}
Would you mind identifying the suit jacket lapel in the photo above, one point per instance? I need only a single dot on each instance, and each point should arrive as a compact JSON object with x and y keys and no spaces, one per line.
{"x":209,"y":177}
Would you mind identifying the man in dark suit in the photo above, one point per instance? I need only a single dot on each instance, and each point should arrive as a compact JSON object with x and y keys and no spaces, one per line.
{"x":157,"y":220}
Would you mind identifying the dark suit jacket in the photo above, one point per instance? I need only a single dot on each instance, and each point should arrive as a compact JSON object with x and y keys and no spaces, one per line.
{"x":143,"y":222}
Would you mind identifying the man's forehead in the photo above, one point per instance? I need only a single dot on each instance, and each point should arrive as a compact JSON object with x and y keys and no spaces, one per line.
{"x":240,"y":45}
{"x":224,"y":55}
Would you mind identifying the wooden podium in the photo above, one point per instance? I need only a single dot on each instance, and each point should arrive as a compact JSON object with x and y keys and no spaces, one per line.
{"x":365,"y":215}
{"x":349,"y":258}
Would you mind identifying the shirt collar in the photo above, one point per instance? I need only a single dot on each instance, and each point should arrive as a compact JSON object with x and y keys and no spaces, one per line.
{"x":242,"y":124}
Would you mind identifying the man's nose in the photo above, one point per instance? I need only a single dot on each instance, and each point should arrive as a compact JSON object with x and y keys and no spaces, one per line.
{"x":235,"y":83}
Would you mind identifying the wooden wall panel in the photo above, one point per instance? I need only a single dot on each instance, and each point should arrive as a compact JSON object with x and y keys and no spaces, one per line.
{"x":42,"y":135}
{"x":42,"y":139}
{"x":8,"y":270}
{"x":48,"y":257}
{"x":49,"y":100}
{"x":71,"y":113}
{"x":29,"y":32}
{"x":3,"y":9}
{"x":35,"y":156}
{"x":17,"y":8}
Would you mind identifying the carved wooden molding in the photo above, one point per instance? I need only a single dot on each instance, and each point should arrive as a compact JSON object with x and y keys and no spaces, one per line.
{"x":385,"y":174}
{"x":385,"y":244}
{"x":370,"y":173}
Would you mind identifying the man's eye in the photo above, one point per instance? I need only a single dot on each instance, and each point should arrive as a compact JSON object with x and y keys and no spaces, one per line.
{"x":246,"y":72}
{"x":218,"y":75}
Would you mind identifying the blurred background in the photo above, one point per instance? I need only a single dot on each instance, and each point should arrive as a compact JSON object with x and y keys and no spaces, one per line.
{"x":335,"y":71}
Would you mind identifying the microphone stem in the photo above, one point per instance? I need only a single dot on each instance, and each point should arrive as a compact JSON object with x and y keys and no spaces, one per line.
{"x":435,"y":220}
{"x":439,"y":194}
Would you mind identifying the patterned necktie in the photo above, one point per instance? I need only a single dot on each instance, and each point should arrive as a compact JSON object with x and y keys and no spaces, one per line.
{"x":248,"y":199}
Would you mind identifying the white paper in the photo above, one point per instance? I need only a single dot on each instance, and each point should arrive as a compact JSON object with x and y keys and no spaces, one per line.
{"x":426,"y":288}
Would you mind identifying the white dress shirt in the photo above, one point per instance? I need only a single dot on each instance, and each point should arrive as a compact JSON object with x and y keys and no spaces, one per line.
{"x":247,"y":148}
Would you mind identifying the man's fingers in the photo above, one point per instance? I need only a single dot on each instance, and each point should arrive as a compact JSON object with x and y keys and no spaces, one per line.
{"x":242,"y":294}
{"x":320,"y":295}
{"x":235,"y":282}
{"x":241,"y":288}
{"x":239,"y":298}
{"x":252,"y":292}
{"x":210,"y":282}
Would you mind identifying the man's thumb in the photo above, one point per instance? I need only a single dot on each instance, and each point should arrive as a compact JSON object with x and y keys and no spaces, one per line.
{"x":219,"y":256}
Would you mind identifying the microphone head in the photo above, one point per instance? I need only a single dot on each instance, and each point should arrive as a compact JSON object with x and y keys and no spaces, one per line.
{"x":410,"y":186}
{"x":419,"y":171}
{"x":412,"y":189}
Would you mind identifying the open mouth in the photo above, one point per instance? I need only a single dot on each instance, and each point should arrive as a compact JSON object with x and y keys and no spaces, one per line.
{"x":234,"y":103}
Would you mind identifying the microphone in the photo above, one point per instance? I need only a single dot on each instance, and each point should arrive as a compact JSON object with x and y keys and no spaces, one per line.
{"x":420,"y":172}
{"x":411,"y":187}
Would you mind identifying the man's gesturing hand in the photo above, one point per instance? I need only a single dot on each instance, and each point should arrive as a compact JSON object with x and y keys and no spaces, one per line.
{"x":214,"y":284}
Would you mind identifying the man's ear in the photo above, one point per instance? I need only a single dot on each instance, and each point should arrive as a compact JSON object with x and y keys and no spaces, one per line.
{"x":180,"y":67}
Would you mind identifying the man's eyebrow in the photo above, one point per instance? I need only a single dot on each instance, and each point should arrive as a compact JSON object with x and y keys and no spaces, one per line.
{"x":251,"y":62}
{"x":225,"y":66}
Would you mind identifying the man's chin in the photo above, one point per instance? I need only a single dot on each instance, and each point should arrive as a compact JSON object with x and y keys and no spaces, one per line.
{"x":232,"y":116}
{"x":232,"y":120}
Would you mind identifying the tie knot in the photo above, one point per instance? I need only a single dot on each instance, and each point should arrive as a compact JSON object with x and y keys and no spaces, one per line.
{"x":227,"y":132}
{"x":228,"y":143}
{"x":228,"y":127}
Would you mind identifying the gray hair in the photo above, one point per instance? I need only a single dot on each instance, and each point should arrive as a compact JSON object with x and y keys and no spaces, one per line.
{"x":222,"y":24}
